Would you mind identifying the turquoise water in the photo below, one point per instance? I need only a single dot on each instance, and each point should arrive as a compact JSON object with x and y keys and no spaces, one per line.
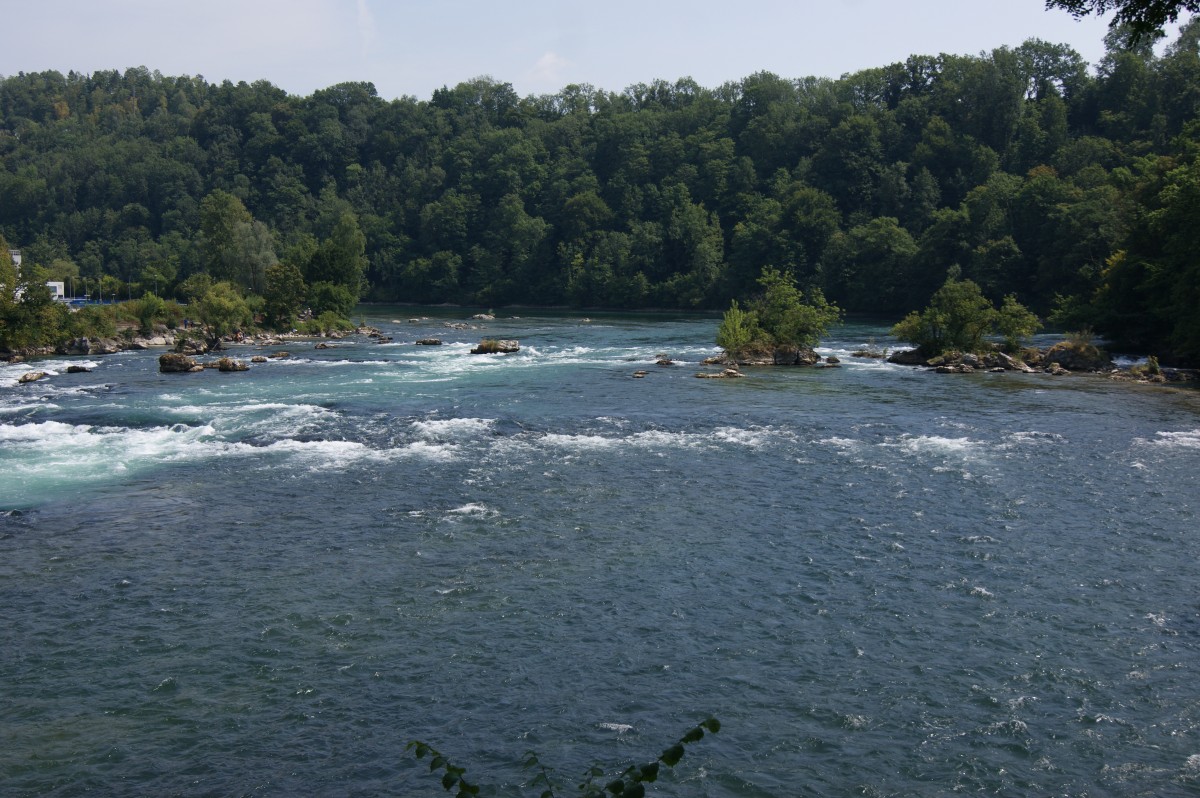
{"x":883,"y":581}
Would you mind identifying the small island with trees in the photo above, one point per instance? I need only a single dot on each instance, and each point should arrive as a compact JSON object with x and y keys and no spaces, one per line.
{"x":1018,"y":178}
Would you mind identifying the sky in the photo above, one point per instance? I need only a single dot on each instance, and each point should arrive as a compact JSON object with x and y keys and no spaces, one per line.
{"x":410,"y":48}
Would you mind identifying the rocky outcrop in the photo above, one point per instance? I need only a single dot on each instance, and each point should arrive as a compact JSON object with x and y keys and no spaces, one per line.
{"x":727,"y":374}
{"x":795,"y":356}
{"x":148,"y":342}
{"x":189,"y":345}
{"x":961,"y":362}
{"x":429,"y":342}
{"x":258,"y":359}
{"x":229,"y":364}
{"x":1077,"y":356}
{"x":494,"y":346}
{"x":76,"y":346}
{"x":175,"y":363}
{"x":78,"y":369}
{"x":999,"y":360}
{"x":30,"y":376}
{"x":909,"y":357}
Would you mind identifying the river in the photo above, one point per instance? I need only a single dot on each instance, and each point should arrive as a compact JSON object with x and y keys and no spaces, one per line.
{"x":881,"y":580}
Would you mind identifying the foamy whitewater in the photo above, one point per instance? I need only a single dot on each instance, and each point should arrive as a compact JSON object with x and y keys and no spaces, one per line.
{"x":882,"y":581}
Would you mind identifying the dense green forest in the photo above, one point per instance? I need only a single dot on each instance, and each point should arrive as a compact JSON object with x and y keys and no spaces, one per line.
{"x":1075,"y":189}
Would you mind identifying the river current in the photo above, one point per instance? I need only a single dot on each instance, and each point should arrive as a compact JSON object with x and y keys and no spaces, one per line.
{"x":881,"y":580}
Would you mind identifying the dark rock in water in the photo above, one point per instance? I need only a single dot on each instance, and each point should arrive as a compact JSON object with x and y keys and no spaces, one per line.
{"x":794,"y":356}
{"x":664,"y":361}
{"x":832,"y":360}
{"x":78,"y":369}
{"x":324,"y":345}
{"x":258,"y":359}
{"x":229,"y":364}
{"x":30,"y":376}
{"x":175,"y":363}
{"x":279,"y":355}
{"x":493,"y":346}
{"x":909,"y":357}
{"x":1057,"y":370}
{"x":429,"y":342}
{"x":637,"y":375}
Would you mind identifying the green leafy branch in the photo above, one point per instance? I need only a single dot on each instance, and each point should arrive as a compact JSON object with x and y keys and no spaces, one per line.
{"x":452,"y":777}
{"x":630,"y":784}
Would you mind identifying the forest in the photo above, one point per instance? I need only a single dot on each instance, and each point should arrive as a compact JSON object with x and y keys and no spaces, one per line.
{"x":1073,"y":187}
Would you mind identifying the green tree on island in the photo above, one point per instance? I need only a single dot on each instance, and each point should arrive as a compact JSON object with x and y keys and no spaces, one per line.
{"x":223,"y":310}
{"x":959,"y":318}
{"x":781,"y":323}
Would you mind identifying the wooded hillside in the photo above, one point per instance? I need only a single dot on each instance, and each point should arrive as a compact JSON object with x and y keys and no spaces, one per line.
{"x":1072,"y":188}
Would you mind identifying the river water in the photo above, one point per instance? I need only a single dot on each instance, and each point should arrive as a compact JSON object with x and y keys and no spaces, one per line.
{"x":881,"y":580}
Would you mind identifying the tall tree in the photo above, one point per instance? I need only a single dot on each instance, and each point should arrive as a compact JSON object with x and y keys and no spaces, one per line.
{"x":1142,"y":16}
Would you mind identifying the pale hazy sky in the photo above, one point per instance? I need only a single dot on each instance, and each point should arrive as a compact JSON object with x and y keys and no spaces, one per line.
{"x":411,"y":48}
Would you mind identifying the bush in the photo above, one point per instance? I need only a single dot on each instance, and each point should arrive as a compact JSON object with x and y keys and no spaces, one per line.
{"x":780,"y":316}
{"x":324,"y":324}
{"x":959,"y":317}
{"x":326,"y":296}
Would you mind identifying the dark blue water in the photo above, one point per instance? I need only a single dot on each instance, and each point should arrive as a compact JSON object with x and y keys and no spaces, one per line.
{"x":883,"y":581}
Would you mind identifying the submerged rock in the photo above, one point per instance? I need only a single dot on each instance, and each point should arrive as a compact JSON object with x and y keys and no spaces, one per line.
{"x":494,"y":346}
{"x":429,"y":342}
